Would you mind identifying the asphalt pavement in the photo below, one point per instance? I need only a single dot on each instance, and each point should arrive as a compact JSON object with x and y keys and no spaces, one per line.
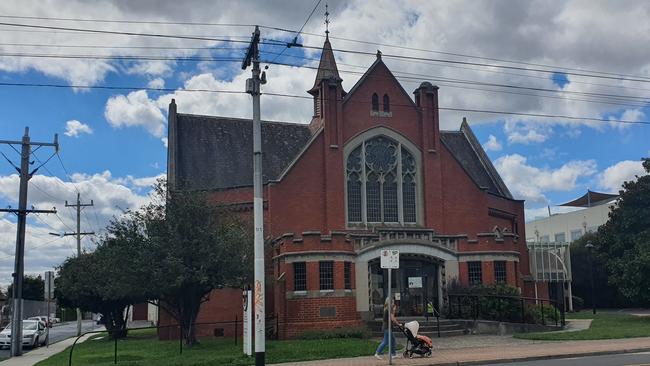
{"x":59,"y":333}
{"x":625,"y":359}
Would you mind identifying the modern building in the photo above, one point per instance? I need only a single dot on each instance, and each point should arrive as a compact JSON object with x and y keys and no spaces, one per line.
{"x":570,"y":226}
{"x":549,"y":240}
{"x":372,"y":170}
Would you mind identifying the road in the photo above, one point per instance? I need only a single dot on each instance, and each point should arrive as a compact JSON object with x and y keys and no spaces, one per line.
{"x":59,"y":333}
{"x":627,"y":359}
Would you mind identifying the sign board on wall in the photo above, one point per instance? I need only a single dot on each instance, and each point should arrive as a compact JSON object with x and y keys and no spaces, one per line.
{"x":415,"y":282}
{"x":389,"y":258}
{"x":248,"y":323}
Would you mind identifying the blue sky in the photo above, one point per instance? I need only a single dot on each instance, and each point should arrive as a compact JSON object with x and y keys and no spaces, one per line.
{"x":545,"y":161}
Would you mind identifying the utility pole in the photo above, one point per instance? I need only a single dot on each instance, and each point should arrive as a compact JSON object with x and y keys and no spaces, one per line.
{"x":22,"y":211}
{"x":253,"y":88}
{"x":79,"y":206}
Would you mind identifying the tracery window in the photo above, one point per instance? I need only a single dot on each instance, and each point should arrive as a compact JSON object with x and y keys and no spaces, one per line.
{"x":381,"y":182}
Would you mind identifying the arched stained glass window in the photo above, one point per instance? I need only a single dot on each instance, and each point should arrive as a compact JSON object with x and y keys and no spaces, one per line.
{"x":381,"y":178}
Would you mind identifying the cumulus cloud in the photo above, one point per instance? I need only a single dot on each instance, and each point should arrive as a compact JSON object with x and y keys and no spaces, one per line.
{"x":74,"y":128}
{"x":111,"y":195}
{"x":492,"y":144}
{"x":613,"y":177}
{"x":531,"y":183}
{"x":156,"y":83}
{"x":152,"y":68}
{"x":135,"y":109}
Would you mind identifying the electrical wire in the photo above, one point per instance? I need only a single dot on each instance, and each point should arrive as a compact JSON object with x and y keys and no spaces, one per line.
{"x":298,"y":33}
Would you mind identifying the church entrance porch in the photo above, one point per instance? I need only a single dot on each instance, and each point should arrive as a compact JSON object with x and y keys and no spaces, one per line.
{"x":414,"y":285}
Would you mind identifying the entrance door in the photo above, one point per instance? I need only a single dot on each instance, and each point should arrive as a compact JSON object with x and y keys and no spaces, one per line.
{"x":414,"y":284}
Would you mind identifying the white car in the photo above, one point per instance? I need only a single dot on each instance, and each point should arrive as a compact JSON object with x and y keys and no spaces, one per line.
{"x":35,"y":334}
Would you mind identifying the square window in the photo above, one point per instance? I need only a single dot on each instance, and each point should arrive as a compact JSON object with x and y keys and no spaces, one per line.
{"x":475,"y":273}
{"x":299,"y":276}
{"x":346,"y":275}
{"x":326,"y":272}
{"x":560,"y":238}
{"x":500,"y":272}
{"x":576,"y":234}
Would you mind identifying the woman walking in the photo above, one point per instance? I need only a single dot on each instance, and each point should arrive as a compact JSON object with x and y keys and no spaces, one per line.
{"x":388,"y":319}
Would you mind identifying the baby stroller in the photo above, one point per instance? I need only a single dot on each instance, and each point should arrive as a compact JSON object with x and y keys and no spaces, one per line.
{"x":414,"y":345}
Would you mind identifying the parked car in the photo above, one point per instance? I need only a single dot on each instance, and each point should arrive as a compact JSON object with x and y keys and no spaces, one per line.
{"x":43,"y":319}
{"x":35,"y":334}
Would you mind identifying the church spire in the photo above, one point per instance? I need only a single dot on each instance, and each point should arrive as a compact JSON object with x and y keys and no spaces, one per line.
{"x":327,"y":69}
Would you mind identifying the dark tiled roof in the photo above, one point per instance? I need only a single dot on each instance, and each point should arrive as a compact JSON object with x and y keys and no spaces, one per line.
{"x":470,"y":160}
{"x":217,"y":152}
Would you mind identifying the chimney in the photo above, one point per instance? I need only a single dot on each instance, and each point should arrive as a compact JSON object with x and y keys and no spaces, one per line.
{"x":426,"y":98}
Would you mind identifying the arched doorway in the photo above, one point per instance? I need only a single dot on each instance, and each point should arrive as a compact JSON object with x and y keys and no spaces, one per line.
{"x":414,"y":284}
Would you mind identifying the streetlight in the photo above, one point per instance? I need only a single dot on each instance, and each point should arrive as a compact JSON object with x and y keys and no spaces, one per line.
{"x":589,"y":247}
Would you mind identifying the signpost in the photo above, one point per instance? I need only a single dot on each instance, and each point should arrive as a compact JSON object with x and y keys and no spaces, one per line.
{"x":248,"y":331}
{"x":389,"y":259}
{"x":415,"y":282}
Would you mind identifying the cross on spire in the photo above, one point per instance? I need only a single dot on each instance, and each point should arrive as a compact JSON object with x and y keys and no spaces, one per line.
{"x":327,"y":21}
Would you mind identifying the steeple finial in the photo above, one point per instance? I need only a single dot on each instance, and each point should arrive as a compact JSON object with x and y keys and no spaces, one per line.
{"x":327,"y":21}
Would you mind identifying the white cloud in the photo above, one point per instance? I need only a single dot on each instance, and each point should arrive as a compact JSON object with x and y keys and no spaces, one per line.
{"x":613,"y":177}
{"x":74,"y":128}
{"x":110,"y":195}
{"x":492,"y":144}
{"x":135,"y":109}
{"x":152,"y":68}
{"x":157,"y":83}
{"x":526,"y":132}
{"x":531,"y":183}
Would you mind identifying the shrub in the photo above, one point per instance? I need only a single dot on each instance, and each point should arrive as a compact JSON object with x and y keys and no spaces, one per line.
{"x":534,"y":314}
{"x":336,"y":333}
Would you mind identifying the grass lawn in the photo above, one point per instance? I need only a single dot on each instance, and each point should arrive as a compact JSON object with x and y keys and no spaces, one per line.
{"x":143,"y":348}
{"x":604,"y":326}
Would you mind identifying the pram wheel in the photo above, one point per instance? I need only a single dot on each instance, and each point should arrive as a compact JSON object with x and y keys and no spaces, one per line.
{"x":406,"y":354}
{"x":428,"y":354}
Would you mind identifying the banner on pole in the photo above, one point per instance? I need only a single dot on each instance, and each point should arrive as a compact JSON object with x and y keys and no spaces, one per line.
{"x":49,"y":286}
{"x":247,"y":323}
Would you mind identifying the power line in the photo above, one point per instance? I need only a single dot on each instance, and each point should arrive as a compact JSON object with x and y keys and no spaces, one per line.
{"x":295,"y":38}
{"x":125,"y":57}
{"x":119,"y":47}
{"x":128,"y":21}
{"x":310,"y":98}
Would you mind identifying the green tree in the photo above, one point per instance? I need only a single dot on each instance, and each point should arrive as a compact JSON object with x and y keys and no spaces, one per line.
{"x":624,"y":241}
{"x":33,"y":288}
{"x":195,"y":246}
{"x":109,"y":279}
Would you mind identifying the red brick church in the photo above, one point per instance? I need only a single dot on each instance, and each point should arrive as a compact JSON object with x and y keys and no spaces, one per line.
{"x":372,"y":170}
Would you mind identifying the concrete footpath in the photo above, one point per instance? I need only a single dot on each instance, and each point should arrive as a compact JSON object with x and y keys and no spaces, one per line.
{"x":39,"y":354}
{"x":507,"y":349}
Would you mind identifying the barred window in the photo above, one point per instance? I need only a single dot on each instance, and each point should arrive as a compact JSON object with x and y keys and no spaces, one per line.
{"x":346,"y":275}
{"x":475,"y":273}
{"x":326,"y":272}
{"x":381,"y":182}
{"x":299,"y":276}
{"x":500,"y":272}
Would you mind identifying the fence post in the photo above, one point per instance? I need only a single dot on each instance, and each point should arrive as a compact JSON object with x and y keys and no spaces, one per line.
{"x":523,"y":311}
{"x":541,"y":307}
{"x":115,"y":352}
{"x":460,"y":311}
{"x":277,"y":326}
{"x":235,"y":329}
{"x":180,"y":338}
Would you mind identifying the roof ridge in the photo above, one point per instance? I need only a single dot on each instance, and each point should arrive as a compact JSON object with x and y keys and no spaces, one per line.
{"x":243,"y":119}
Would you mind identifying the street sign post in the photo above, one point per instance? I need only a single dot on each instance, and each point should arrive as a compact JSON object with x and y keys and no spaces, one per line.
{"x":248,"y":324}
{"x":389,"y":259}
{"x":49,"y":295}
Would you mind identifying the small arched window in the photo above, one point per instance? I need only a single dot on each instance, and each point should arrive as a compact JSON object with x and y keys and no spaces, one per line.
{"x":386,"y":103}
{"x":375,"y":102}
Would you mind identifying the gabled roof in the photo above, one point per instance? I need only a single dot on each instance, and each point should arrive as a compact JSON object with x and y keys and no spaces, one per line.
{"x":590,"y":199}
{"x":466,"y":149}
{"x":217,"y":152}
{"x":327,"y":69}
{"x":367,"y":74}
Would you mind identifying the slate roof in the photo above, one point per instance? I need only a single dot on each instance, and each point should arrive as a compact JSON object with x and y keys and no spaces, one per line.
{"x":473,"y":160}
{"x":217,"y":152}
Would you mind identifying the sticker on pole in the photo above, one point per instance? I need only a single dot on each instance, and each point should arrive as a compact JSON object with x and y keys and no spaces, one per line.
{"x":389,"y":258}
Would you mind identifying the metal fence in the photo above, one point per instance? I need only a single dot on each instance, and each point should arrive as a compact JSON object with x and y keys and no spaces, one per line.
{"x":512,"y":309}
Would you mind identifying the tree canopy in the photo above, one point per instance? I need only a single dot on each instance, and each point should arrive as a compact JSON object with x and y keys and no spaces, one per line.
{"x":33,"y":288}
{"x":624,"y":241}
